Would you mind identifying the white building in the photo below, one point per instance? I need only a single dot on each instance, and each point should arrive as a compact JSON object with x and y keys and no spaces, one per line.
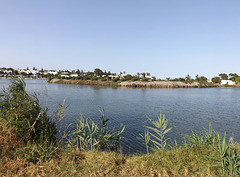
{"x":7,"y":71}
{"x":113,"y":76}
{"x":65,"y":76}
{"x":74,"y":75}
{"x":53,"y":72}
{"x":29,"y":71}
{"x":122,"y":75}
{"x":34,"y":72}
{"x":227,"y":82}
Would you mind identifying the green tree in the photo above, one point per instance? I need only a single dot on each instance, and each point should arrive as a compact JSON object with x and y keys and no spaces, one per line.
{"x":223,"y":76}
{"x":78,"y":72}
{"x":105,"y":73}
{"x":197,"y":78}
{"x":128,"y":77}
{"x":202,"y":79}
{"x":216,"y":80}
{"x":233,"y":77}
{"x":237,"y":80}
{"x":98,"y":72}
{"x":188,"y":79}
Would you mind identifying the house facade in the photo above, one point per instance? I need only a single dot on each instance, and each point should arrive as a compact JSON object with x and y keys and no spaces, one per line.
{"x":227,"y":82}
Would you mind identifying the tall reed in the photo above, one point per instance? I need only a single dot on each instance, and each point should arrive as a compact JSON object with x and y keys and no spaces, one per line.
{"x":90,"y":135}
{"x":156,"y":134}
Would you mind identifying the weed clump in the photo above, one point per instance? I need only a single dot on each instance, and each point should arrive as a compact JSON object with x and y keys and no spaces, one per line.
{"x":88,"y":135}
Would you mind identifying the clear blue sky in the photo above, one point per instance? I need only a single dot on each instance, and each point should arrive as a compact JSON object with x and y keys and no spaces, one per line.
{"x":168,"y":38}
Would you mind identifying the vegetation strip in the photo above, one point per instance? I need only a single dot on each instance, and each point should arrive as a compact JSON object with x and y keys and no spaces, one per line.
{"x":104,"y":78}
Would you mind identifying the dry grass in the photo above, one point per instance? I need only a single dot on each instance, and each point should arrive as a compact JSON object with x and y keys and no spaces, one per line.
{"x":8,"y":137}
{"x":179,"y":162}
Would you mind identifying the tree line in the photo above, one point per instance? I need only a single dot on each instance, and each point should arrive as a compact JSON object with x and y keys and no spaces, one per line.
{"x":99,"y":74}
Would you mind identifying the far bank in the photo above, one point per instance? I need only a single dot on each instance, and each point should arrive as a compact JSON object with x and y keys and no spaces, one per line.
{"x":137,"y":84}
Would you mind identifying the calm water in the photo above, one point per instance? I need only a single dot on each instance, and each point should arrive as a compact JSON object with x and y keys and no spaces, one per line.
{"x":184,"y":108}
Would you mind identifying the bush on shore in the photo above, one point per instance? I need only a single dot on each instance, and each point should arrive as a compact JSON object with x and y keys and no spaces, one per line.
{"x":22,"y":113}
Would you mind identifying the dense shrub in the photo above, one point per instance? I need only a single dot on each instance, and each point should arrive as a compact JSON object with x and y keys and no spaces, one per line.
{"x":104,"y":79}
{"x":94,"y":78}
{"x":23,"y":112}
{"x":115,"y":79}
{"x":135,"y":79}
{"x":145,"y":79}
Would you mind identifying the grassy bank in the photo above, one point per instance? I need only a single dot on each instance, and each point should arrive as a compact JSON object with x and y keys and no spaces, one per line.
{"x":85,"y":82}
{"x":136,"y":84}
{"x":32,"y":145}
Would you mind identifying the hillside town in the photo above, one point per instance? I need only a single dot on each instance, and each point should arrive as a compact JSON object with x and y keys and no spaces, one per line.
{"x":98,"y":74}
{"x":66,"y":74}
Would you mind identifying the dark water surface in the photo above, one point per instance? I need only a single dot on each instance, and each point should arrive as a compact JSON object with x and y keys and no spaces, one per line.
{"x":185,"y":109}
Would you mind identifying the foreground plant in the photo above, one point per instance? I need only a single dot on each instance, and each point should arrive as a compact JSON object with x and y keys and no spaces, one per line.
{"x":156,"y":134}
{"x":145,"y":139}
{"x":208,"y":138}
{"x":25,"y":123}
{"x":23,"y":112}
{"x":90,"y":136}
{"x":228,"y":156}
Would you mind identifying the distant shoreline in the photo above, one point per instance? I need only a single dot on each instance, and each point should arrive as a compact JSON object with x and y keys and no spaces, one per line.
{"x":136,"y":84}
